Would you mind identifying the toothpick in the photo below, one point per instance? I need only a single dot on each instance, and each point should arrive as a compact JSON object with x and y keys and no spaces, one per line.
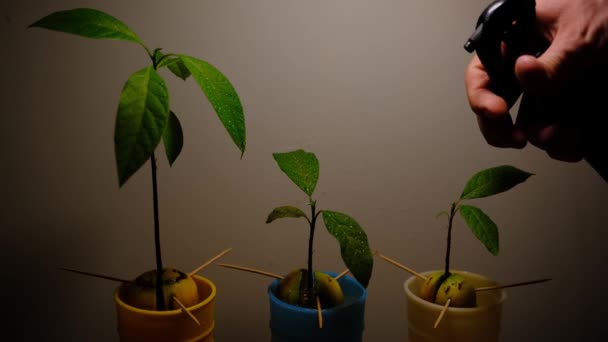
{"x":319,"y":313}
{"x":252,"y":270}
{"x":345,"y":272}
{"x":201,"y":267}
{"x":185,"y":310}
{"x":445,"y":308}
{"x":496,"y":287}
{"x":97,"y":275}
{"x":403,"y":267}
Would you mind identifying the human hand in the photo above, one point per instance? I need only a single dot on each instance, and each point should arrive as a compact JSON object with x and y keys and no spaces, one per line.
{"x":562,"y":111}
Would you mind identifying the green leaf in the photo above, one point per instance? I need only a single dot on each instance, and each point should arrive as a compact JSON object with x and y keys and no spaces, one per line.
{"x":88,"y":23}
{"x":285,"y":211}
{"x":173,"y":138}
{"x":222,"y":97}
{"x":354,"y":247}
{"x":493,"y":181}
{"x":141,"y":120}
{"x":482,"y":227}
{"x":301,"y":167}
{"x":176,"y":66}
{"x":179,"y":69}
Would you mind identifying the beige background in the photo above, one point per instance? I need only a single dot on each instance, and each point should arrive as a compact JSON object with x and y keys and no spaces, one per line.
{"x":374,"y":88}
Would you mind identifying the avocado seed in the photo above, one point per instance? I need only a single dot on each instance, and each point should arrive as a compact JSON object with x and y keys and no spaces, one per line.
{"x":293,"y":289}
{"x":438,"y":289}
{"x":142,"y":293}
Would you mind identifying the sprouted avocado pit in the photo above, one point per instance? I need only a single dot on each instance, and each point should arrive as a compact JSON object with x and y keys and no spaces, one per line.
{"x":144,"y":119}
{"x":293,"y":289}
{"x":176,"y":285}
{"x":303,"y":287}
{"x":444,"y":285}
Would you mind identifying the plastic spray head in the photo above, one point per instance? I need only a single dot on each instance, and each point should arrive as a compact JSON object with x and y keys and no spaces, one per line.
{"x":500,"y":20}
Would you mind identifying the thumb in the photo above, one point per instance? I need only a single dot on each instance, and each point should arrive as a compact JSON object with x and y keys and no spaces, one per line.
{"x":541,"y":75}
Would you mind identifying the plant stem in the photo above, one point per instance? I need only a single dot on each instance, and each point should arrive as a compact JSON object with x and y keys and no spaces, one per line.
{"x":160,"y":302}
{"x":160,"y":297}
{"x":447,"y":253}
{"x":310,"y":243}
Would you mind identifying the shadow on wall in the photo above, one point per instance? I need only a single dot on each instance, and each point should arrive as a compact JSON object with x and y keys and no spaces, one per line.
{"x":45,"y":303}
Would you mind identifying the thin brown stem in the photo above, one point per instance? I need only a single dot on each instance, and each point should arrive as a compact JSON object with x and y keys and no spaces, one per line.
{"x":310,"y":245}
{"x":160,"y":303}
{"x":449,"y":241}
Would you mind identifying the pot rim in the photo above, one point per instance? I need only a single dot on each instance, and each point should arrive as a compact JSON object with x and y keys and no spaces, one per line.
{"x":273,"y":285}
{"x":420,"y":301}
{"x":198,"y":305}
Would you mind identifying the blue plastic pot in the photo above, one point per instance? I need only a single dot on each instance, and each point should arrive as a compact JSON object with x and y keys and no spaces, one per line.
{"x":342,"y":323}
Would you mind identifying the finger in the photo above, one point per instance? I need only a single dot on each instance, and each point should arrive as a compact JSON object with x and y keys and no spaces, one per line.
{"x":500,"y":132}
{"x":547,"y":129}
{"x":554,"y":68}
{"x":564,"y":143}
{"x":482,"y":101}
{"x":532,"y":119}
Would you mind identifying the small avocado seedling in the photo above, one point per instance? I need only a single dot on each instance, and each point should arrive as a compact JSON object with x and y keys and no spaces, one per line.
{"x":302,"y":287}
{"x":444,"y":285}
{"x":144,"y":118}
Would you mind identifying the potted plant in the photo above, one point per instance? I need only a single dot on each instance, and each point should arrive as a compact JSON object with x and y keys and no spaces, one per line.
{"x":306,"y":304}
{"x":148,"y":308}
{"x":454,"y":305}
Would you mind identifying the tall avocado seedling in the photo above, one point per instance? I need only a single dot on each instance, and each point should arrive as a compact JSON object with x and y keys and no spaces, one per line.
{"x":302,"y":286}
{"x":444,"y":285}
{"x":144,"y":118}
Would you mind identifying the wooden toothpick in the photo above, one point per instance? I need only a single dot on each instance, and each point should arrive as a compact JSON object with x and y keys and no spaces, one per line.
{"x":345,"y":272}
{"x":403,"y":267}
{"x":496,"y":287}
{"x":186,"y":311}
{"x":201,"y":267}
{"x":97,"y":275}
{"x":445,"y":308}
{"x":252,"y":270}
{"x":319,"y":313}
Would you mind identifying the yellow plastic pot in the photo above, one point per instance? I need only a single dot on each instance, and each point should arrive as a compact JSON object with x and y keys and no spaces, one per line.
{"x":478,"y":324}
{"x":168,"y":326}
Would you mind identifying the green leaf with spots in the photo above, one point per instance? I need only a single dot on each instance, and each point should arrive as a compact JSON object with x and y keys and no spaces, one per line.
{"x":493,"y":181}
{"x":142,"y":116}
{"x":354,"y":246}
{"x":301,"y":167}
{"x":283,"y":212}
{"x":221,"y":95}
{"x":482,"y":227}
{"x":87,"y":22}
{"x":173,"y":138}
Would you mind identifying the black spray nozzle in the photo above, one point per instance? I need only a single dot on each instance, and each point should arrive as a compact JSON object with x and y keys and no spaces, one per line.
{"x":500,"y":20}
{"x":511,"y":22}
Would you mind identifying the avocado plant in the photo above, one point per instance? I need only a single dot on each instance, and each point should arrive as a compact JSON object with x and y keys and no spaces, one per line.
{"x":144,"y":118}
{"x":302,"y":286}
{"x":445,"y":285}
